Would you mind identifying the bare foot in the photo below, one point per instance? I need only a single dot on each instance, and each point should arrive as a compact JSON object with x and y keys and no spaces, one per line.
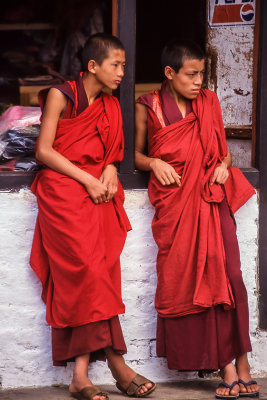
{"x":229,"y":375}
{"x":121,"y":372}
{"x":243,"y":371}
{"x":80,"y":378}
{"x":78,"y":384}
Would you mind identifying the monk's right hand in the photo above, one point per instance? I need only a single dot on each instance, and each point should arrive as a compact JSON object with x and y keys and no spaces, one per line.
{"x":164,"y":172}
{"x":98,"y":191}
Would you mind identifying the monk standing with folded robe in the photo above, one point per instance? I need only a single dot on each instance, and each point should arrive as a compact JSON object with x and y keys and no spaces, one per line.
{"x":81,"y":225}
{"x":201,"y":300}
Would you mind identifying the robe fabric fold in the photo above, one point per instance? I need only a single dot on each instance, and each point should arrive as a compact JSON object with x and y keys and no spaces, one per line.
{"x":186,"y":225}
{"x":77,"y":244}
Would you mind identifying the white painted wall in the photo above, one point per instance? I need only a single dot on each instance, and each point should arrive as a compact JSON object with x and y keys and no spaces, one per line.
{"x":25,"y":358}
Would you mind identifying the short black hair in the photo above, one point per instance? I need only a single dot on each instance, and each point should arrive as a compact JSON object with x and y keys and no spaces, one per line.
{"x":177,"y":51}
{"x":97,"y":48}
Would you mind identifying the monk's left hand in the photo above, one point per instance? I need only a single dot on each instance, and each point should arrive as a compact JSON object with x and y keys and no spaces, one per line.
{"x":109,"y":178}
{"x":220,"y":174}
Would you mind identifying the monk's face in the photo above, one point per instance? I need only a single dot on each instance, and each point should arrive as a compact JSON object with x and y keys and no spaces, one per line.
{"x":111,"y":71}
{"x":188,"y":80}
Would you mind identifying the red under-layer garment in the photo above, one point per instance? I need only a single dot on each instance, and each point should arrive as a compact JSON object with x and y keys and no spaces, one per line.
{"x":67,"y":343}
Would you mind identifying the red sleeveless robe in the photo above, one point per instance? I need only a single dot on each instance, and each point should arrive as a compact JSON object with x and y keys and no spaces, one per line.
{"x":197,"y":280}
{"x":77,"y":244}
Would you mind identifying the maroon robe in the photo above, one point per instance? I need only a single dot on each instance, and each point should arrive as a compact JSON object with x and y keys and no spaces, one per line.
{"x":210,"y":339}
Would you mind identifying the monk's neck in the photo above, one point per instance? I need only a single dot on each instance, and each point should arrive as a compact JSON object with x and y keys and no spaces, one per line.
{"x":92,"y":87}
{"x":180,"y":100}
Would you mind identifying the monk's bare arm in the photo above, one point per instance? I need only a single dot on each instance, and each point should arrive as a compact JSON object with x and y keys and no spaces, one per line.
{"x":142,"y":161}
{"x":221,"y":173}
{"x":163,"y":171}
{"x":228,"y":160}
{"x":55,"y":105}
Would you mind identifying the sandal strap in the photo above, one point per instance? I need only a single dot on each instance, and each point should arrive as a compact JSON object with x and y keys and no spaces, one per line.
{"x":224,"y":384}
{"x":90,"y":391}
{"x":246,"y":384}
{"x":136,"y":384}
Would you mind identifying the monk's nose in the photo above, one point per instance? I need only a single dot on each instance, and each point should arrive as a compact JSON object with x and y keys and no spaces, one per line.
{"x":121,"y":72}
{"x":198,"y":80}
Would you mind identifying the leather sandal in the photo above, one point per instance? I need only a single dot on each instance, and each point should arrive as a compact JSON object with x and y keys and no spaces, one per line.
{"x":135,"y":386}
{"x":88,"y":393}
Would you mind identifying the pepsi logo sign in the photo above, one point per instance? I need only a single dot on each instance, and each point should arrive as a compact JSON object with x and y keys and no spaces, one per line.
{"x":247,"y":12}
{"x":231,"y":12}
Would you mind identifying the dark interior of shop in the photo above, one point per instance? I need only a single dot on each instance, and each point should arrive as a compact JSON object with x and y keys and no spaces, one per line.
{"x":159,"y":21}
{"x":40,"y":44}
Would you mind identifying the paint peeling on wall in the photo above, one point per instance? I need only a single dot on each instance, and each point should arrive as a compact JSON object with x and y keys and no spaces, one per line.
{"x":233,"y":68}
{"x":230,"y":75}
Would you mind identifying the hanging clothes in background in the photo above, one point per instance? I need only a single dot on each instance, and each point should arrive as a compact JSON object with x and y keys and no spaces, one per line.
{"x":87,"y":21}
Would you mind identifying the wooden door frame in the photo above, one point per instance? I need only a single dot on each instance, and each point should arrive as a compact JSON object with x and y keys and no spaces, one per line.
{"x":261,"y":161}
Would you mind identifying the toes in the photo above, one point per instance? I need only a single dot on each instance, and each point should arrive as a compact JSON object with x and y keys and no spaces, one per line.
{"x":145,"y":387}
{"x":222,"y":392}
{"x":235,"y":390}
{"x":252,"y":388}
{"x":242,"y":388}
{"x":226,"y":392}
{"x":249,"y":389}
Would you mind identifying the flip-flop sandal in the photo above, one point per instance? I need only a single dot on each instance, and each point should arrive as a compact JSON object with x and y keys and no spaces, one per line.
{"x":88,"y":393}
{"x":246,"y":384}
{"x":229,"y":396}
{"x":135,"y":386}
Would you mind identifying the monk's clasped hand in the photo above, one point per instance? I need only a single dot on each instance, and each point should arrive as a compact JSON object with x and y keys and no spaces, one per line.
{"x":95,"y":189}
{"x":110,"y":179}
{"x":220,"y":174}
{"x":165,"y":173}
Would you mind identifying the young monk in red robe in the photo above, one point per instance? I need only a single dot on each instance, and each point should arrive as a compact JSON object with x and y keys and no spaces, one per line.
{"x":201,"y":299}
{"x":81,"y":225}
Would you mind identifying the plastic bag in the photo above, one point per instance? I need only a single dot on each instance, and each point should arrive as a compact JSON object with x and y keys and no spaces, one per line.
{"x":19,"y":117}
{"x":26,"y":164}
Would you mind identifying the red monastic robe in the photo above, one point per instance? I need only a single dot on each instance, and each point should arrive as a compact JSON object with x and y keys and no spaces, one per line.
{"x":77,"y":244}
{"x":191,"y":259}
{"x":211,"y":339}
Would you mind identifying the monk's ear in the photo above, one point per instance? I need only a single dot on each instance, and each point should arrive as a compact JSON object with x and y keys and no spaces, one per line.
{"x":92,"y":66}
{"x":168,"y":71}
